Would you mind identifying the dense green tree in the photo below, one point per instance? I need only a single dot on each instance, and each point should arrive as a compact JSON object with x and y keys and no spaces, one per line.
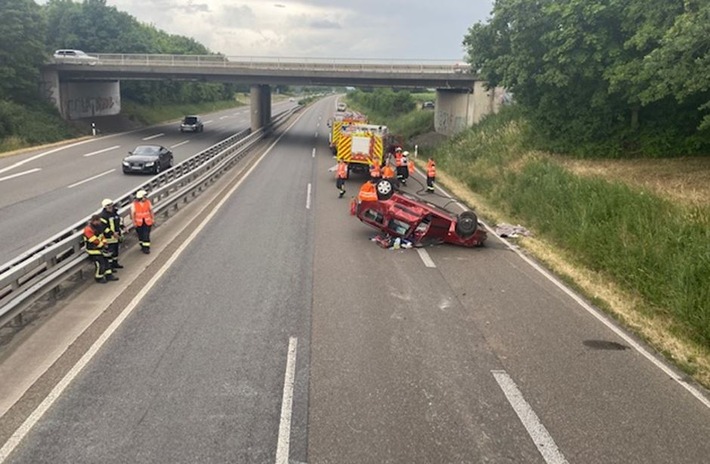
{"x":680,"y":66}
{"x":579,"y":69}
{"x":21,"y":49}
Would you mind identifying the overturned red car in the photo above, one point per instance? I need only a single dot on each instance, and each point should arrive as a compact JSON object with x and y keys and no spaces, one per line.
{"x":411,"y":218}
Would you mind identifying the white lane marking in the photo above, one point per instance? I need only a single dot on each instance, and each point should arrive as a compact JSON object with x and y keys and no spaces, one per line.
{"x":316,"y":136}
{"x":318,"y":125}
{"x":20,"y":174}
{"x":313,"y":153}
{"x":601,"y":318}
{"x":207,"y":122}
{"x":542,"y":439}
{"x":308,"y":197}
{"x":151,"y":137}
{"x":178,"y":144}
{"x":37,"y":414}
{"x":102,"y":151}
{"x":91,"y":178}
{"x":428,"y":262}
{"x":223,"y":117}
{"x":40,"y":155}
{"x":282,"y":447}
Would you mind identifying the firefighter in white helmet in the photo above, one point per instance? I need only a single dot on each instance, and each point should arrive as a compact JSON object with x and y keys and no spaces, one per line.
{"x":113,"y":232}
{"x":143,"y":219}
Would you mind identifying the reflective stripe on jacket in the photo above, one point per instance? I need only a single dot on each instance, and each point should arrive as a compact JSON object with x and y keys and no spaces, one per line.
{"x":93,"y":241}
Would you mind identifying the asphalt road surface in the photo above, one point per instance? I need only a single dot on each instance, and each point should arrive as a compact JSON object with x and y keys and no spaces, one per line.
{"x":45,"y":191}
{"x":281,"y":333}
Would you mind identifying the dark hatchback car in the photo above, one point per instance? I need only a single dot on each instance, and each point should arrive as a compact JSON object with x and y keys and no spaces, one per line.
{"x":192,"y":124}
{"x":401,"y":215}
{"x":147,"y":159}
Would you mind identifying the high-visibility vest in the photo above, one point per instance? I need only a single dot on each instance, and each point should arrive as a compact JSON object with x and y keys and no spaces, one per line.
{"x":367,"y":192}
{"x":342,"y":171}
{"x":93,"y":242}
{"x":387,"y":172}
{"x":375,"y":170}
{"x":398,"y":159}
{"x":410,"y":166}
{"x":431,"y":169}
{"x":142,"y":213}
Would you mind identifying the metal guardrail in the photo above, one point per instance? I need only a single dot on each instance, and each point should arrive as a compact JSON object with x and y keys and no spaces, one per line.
{"x":273,"y":63}
{"x":33,"y":274}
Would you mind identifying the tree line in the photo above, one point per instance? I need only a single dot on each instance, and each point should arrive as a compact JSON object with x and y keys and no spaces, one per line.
{"x":31,"y":33}
{"x":603,"y":77}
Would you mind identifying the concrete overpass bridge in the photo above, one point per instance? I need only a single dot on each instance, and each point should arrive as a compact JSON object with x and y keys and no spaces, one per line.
{"x":91,"y":87}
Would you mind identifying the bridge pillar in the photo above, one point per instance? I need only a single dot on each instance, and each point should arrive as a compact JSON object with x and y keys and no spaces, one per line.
{"x":49,"y":88}
{"x":260,"y":100}
{"x":458,"y":109}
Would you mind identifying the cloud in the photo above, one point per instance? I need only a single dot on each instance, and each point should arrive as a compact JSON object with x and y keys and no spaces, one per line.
{"x":392,"y":29}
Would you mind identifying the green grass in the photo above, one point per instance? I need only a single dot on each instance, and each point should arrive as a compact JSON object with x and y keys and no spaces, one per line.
{"x":155,"y":114}
{"x":649,"y":246}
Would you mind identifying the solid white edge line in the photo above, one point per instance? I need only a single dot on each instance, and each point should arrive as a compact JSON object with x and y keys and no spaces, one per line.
{"x":601,"y":318}
{"x":313,"y":153}
{"x":539,"y":434}
{"x":316,"y":136}
{"x":11,"y":176}
{"x":101,"y":151}
{"x":155,"y":136}
{"x":90,"y":178}
{"x":428,"y":262}
{"x":284,"y":440}
{"x":308,"y":196}
{"x":37,"y":414}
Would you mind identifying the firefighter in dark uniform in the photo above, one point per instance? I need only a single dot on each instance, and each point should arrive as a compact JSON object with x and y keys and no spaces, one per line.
{"x":113,"y":231}
{"x":95,"y":247}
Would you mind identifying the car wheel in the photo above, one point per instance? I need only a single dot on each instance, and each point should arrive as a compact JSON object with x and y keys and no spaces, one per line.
{"x":157,"y":167}
{"x":170,"y":162}
{"x":384,"y":189}
{"x":466,"y":224}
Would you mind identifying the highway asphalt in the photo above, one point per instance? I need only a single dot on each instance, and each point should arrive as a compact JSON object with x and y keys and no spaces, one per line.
{"x":281,"y":333}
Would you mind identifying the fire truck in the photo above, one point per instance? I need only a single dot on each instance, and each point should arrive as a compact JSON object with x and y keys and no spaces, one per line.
{"x":361,"y":145}
{"x":342,"y":119}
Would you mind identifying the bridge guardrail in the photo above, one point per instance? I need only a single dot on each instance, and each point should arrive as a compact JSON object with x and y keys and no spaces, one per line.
{"x":31,"y":275}
{"x":278,"y":63}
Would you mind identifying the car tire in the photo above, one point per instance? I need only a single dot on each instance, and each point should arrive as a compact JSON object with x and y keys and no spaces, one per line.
{"x":466,"y":224}
{"x":384,"y":189}
{"x":170,"y":162}
{"x":157,"y":168}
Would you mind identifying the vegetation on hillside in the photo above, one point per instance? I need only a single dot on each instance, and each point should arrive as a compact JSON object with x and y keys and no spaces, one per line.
{"x":613,"y":78}
{"x":31,"y":32}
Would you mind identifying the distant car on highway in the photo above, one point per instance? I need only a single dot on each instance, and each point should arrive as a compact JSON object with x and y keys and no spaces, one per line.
{"x":74,"y":56}
{"x":398,"y":214}
{"x":428,"y":105}
{"x":192,"y":124}
{"x":147,"y":159}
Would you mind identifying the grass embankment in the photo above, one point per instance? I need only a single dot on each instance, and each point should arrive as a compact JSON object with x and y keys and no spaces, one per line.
{"x":405,"y":125}
{"x":149,"y":115}
{"x":637,"y":252}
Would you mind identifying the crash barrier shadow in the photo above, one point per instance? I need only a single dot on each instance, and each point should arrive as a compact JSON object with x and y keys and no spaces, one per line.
{"x":40,"y":270}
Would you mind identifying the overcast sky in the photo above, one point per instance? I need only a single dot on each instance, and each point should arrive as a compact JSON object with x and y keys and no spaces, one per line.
{"x":383,"y":29}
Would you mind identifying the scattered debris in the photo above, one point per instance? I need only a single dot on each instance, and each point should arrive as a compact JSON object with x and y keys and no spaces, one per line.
{"x":510,"y":231}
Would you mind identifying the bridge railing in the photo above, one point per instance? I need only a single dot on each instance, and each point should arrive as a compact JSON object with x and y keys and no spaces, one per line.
{"x":33,"y":274}
{"x":282,"y":63}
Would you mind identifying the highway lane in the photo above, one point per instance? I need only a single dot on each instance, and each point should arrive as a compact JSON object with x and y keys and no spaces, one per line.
{"x":45,"y":191}
{"x":441,"y":355}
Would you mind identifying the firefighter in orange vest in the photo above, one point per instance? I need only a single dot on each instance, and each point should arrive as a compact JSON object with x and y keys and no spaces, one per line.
{"x":143,"y":219}
{"x":96,"y":247}
{"x":400,"y":163}
{"x":367,"y":192}
{"x":430,"y":174}
{"x":340,"y":176}
{"x":409,"y":164}
{"x":375,"y":173}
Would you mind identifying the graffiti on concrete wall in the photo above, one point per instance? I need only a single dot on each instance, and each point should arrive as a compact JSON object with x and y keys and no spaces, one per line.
{"x":85,"y":100}
{"x":90,"y":106}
